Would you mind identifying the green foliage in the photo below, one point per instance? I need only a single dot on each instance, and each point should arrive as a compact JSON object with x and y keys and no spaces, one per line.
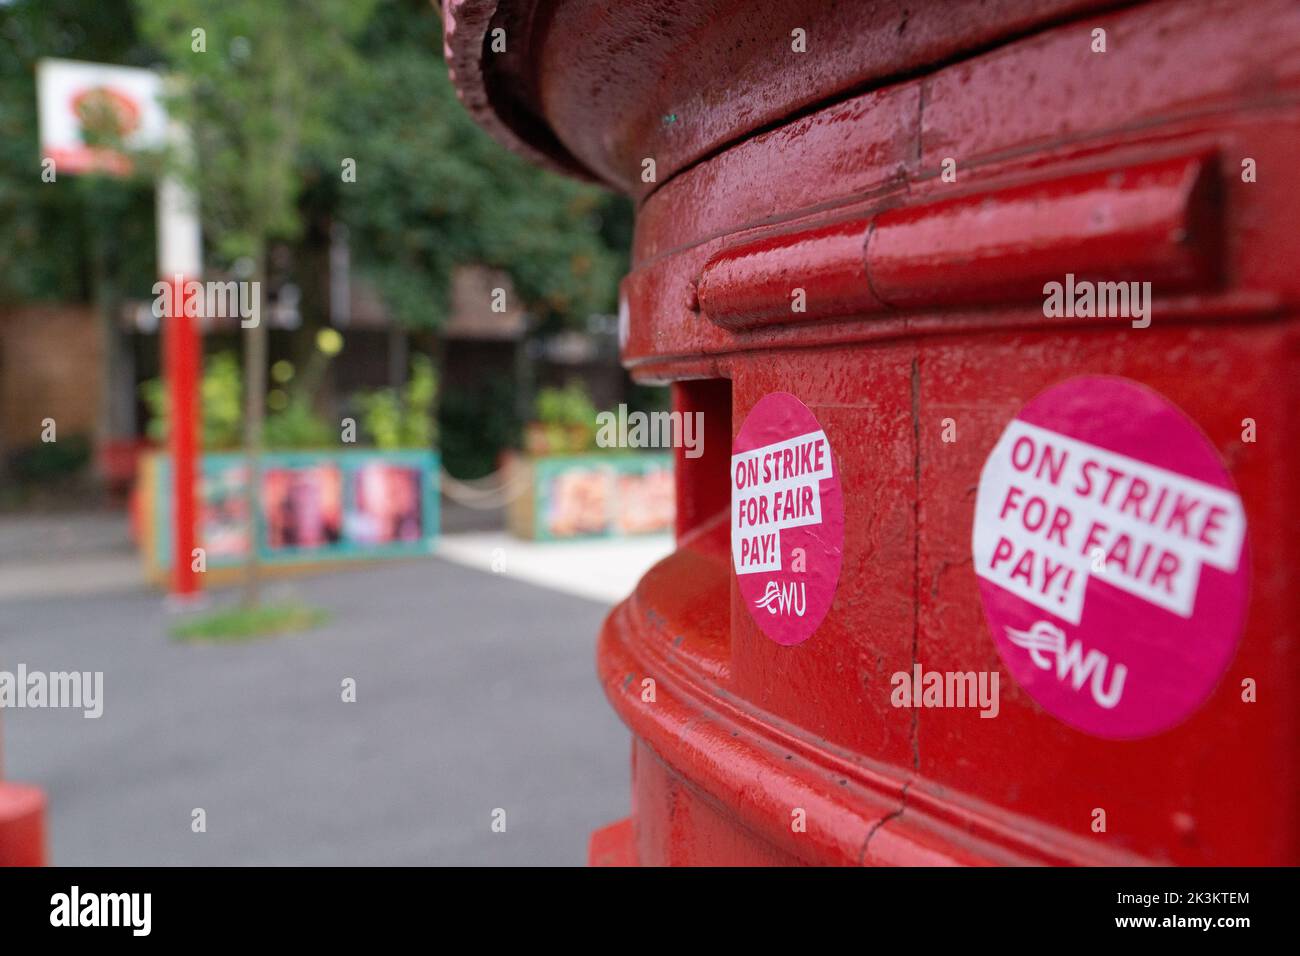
{"x":283,"y":93}
{"x":246,"y":624}
{"x":295,"y":426}
{"x":476,"y":424}
{"x":649,"y":398}
{"x":55,"y":236}
{"x":390,"y":418}
{"x":298,"y":426}
{"x":434,"y":191}
{"x":221,"y":393}
{"x":264,"y":91}
{"x":402,"y":418}
{"x":566,"y":420}
{"x":49,"y":461}
{"x":566,"y":406}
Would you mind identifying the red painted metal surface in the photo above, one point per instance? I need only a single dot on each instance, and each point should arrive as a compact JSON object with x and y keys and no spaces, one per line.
{"x":924,"y":304}
{"x":818,"y":273}
{"x":181,"y":368}
{"x":1157,"y":222}
{"x":614,"y":845}
{"x":22,"y":823}
{"x":597,"y":87}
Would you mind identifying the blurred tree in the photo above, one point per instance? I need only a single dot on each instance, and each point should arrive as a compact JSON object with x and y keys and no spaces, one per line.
{"x":258,"y":85}
{"x":476,"y":423}
{"x":394,"y":418}
{"x":286,"y":91}
{"x":86,"y":237}
{"x":280,"y":96}
{"x":53,"y":234}
{"x":433,"y":190}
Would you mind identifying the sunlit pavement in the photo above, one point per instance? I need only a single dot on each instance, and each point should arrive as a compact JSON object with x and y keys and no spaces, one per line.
{"x":74,"y":555}
{"x":601,"y":569}
{"x":475,"y":691}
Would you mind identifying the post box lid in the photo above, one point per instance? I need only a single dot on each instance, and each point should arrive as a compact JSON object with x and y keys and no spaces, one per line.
{"x":594,"y":89}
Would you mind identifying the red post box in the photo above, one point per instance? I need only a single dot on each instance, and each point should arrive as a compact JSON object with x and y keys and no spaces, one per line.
{"x":22,"y":823}
{"x":991,"y":313}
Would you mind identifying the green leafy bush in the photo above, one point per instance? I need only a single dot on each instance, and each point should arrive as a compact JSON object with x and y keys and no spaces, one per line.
{"x":45,"y":462}
{"x":565,"y":420}
{"x":402,"y":418}
{"x":295,"y":426}
{"x":476,"y":423}
{"x":222,"y":396}
{"x":566,"y":406}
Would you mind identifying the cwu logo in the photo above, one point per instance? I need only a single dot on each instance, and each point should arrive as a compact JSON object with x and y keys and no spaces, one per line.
{"x":1045,"y":638}
{"x":784,"y":599}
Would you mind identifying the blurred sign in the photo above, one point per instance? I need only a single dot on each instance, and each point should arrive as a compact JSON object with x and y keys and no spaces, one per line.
{"x":597,"y":495}
{"x":90,"y":111}
{"x":312,"y":506}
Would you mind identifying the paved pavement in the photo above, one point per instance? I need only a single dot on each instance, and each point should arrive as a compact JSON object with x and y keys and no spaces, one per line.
{"x":66,"y":553}
{"x":601,"y":569}
{"x":55,"y":536}
{"x":474,"y":692}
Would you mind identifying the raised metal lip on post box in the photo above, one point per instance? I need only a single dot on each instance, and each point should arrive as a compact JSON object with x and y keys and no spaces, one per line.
{"x":1152,"y":222}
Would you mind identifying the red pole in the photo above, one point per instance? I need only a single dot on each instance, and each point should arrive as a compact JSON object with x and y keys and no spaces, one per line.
{"x":181,"y":371}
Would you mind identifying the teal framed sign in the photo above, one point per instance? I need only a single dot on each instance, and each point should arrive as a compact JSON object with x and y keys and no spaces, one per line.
{"x":311,"y":506}
{"x":602,"y":495}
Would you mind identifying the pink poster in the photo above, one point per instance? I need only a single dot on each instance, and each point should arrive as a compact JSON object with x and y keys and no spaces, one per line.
{"x":1111,"y":550}
{"x":787,"y":518}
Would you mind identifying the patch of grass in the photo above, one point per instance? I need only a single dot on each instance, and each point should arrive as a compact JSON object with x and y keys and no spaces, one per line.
{"x":247,"y":624}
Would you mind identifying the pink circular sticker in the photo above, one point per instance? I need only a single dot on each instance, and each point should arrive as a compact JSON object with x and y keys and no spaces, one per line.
{"x":1110,"y":545}
{"x":787,"y":518}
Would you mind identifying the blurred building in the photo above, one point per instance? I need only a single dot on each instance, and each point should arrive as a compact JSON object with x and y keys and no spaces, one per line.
{"x":64,"y":362}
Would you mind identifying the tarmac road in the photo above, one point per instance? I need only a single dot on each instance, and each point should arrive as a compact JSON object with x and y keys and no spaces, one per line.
{"x":474,"y":692}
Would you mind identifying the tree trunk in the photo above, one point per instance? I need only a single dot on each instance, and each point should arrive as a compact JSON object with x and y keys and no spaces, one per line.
{"x":255,"y":339}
